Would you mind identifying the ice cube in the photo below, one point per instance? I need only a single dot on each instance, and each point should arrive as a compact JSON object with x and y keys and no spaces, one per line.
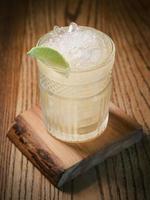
{"x":72,"y":27}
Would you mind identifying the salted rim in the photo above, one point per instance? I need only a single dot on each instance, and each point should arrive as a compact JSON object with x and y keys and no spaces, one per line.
{"x":92,"y":68}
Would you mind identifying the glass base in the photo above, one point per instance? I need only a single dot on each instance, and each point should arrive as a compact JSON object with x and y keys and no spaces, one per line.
{"x":77,"y":138}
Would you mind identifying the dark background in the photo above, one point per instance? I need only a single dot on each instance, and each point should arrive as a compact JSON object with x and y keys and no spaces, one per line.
{"x":126,"y":175}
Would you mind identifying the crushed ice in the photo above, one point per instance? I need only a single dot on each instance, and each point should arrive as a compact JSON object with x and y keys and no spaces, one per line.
{"x":82,"y":48}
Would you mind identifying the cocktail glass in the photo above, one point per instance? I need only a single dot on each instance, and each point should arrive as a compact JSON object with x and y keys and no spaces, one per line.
{"x":76,"y":107}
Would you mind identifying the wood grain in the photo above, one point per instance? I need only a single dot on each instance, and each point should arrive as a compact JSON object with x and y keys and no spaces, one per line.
{"x":61,"y":162}
{"x":127,"y":175}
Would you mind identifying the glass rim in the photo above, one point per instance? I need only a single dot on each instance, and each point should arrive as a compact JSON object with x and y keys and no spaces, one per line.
{"x":92,"y":68}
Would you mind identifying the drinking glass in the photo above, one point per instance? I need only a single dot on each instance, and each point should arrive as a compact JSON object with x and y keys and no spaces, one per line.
{"x":76,"y":107}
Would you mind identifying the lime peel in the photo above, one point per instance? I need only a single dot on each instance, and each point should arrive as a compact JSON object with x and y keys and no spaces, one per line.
{"x":50,"y":57}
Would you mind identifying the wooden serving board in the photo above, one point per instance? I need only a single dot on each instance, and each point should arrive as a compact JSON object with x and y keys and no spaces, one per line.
{"x":60,"y":161}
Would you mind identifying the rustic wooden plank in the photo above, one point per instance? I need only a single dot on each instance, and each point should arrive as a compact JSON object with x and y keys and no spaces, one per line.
{"x":61,"y":162}
{"x":90,"y":181}
{"x":127,"y":22}
{"x":32,"y":184}
{"x":105,"y":186}
{"x":122,"y":97}
{"x":11,"y":35}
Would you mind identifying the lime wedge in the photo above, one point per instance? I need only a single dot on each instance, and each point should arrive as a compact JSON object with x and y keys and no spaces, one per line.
{"x":50,"y":57}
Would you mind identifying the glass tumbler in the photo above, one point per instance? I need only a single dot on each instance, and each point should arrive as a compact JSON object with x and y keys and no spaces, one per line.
{"x":76,"y":108}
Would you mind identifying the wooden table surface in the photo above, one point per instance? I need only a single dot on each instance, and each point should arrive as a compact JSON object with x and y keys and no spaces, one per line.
{"x":124,"y":176}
